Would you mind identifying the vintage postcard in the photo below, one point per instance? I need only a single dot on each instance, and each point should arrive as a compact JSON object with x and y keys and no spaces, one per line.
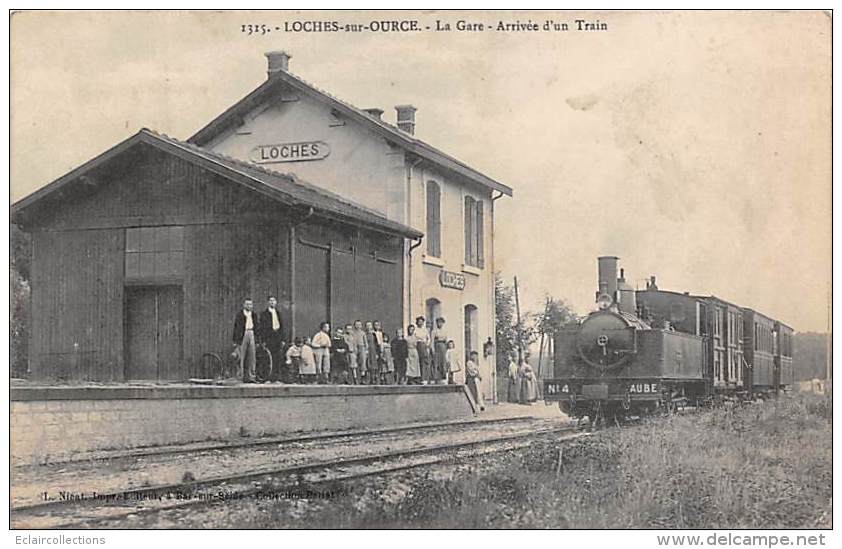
{"x":421,"y":270}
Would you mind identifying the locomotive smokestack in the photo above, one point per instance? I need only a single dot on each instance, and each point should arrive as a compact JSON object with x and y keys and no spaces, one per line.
{"x":608,"y":277}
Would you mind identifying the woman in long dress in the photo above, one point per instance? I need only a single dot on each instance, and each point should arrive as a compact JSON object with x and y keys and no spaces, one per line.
{"x":387,"y":370}
{"x":528,"y":390}
{"x":422,"y":344}
{"x":473,"y":379}
{"x":413,"y":364}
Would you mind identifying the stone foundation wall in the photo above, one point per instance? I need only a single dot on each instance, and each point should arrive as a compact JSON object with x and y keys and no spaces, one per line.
{"x":51,"y":424}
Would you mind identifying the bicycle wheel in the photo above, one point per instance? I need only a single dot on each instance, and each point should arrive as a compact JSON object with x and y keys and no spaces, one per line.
{"x":263,"y":366}
{"x":210,"y":366}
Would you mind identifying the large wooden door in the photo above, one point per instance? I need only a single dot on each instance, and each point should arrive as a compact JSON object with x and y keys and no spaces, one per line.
{"x":343,"y":291}
{"x":141,"y":333}
{"x":153,"y":332}
{"x":170,"y":307}
{"x":312,"y":292}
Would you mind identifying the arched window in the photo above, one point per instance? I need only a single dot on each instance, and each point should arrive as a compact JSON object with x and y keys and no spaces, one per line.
{"x":433,"y":219}
{"x":432,"y":308}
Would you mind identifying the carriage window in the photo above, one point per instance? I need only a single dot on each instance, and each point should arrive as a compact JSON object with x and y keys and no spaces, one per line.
{"x":155,"y":253}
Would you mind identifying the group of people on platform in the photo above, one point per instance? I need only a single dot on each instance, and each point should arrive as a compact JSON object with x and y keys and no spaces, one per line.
{"x":361,"y":353}
{"x":522,"y":386}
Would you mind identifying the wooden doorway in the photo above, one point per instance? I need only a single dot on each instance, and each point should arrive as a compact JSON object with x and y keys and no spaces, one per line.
{"x":154,"y":332}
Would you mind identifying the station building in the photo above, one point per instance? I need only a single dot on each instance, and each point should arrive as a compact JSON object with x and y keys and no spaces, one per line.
{"x":142,"y":256}
{"x":289,"y":125}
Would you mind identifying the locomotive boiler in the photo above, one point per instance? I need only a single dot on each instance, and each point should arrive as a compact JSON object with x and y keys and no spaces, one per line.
{"x":614,"y":363}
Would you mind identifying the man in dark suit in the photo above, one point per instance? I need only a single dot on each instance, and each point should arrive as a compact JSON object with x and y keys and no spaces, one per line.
{"x":246,"y":325}
{"x":270,"y":335}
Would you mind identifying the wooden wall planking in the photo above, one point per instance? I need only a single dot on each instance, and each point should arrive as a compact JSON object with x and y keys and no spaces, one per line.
{"x":236,"y":245}
{"x":77,"y":305}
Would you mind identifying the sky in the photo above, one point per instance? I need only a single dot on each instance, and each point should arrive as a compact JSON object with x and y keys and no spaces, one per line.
{"x":696,"y":146}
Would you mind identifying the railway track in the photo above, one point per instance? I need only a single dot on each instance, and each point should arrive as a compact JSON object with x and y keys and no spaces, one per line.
{"x":96,"y":510}
{"x":133,"y":453}
{"x":121,"y":471}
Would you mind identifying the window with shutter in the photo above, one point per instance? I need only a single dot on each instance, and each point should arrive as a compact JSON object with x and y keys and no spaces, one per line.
{"x":433,"y":219}
{"x":480,"y":233}
{"x":469,"y":230}
{"x":474,"y":223}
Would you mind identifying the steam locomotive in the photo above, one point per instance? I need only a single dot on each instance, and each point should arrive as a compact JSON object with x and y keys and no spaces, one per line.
{"x":644,"y":350}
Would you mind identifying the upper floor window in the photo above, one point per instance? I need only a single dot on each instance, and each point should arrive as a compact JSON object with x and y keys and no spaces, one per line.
{"x":433,"y":219}
{"x":155,"y":253}
{"x":474,"y":224}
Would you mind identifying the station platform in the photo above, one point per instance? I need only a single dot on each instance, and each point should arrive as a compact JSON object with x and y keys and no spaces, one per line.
{"x":60,"y":423}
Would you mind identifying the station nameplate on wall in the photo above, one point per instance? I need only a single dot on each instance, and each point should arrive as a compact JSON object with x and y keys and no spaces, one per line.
{"x":449,"y":279}
{"x":290,"y":152}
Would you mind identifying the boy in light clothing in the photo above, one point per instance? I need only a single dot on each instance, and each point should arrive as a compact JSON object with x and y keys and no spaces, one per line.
{"x":321,"y":352}
{"x":301,"y":354}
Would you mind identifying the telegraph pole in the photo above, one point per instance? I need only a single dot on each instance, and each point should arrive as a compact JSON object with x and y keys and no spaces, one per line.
{"x":519,"y":325}
{"x":541,"y":348}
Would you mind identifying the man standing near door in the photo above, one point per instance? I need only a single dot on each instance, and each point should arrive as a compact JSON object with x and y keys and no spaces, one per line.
{"x":270,"y":326}
{"x":245,"y":325}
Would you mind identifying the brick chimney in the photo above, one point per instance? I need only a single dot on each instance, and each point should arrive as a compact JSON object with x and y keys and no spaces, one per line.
{"x":278,"y":61}
{"x":374,"y":112}
{"x":406,"y":118}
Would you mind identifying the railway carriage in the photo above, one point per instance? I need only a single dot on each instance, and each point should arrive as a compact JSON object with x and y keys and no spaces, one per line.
{"x":759,"y":350}
{"x":723,"y":330}
{"x":783,"y":358}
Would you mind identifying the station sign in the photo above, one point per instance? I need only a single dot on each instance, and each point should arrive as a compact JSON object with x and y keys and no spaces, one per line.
{"x":290,"y":152}
{"x":449,"y":279}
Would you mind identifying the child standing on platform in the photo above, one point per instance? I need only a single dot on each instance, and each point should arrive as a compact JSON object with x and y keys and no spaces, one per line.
{"x":321,"y":352}
{"x":452,"y":362}
{"x":387,"y":374}
{"x":400,"y":353}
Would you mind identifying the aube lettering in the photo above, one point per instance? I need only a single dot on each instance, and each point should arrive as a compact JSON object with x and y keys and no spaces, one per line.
{"x":290,"y":152}
{"x":640,"y":388}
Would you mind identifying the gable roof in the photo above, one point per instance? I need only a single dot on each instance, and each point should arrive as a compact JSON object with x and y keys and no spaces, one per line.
{"x":234,"y":115}
{"x":285,"y":188}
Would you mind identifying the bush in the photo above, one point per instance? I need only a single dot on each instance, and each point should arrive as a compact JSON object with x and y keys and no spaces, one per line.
{"x":19,"y":325}
{"x":20,"y":258}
